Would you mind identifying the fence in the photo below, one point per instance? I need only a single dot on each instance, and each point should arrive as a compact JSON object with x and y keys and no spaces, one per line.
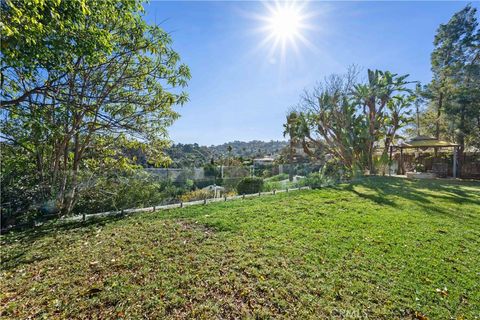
{"x":117,"y":191}
{"x":180,"y":204}
{"x":440,"y":164}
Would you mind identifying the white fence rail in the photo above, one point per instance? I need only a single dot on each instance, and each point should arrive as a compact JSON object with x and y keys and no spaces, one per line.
{"x":178,"y":205}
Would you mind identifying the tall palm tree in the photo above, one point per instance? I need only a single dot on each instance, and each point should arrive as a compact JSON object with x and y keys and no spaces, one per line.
{"x":291,"y":129}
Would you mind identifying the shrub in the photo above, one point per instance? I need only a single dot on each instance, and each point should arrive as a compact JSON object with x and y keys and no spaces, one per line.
{"x":278,"y":177}
{"x":272,"y":185}
{"x":250,"y":185}
{"x":266,"y":173}
{"x":420,"y":167}
{"x":318,"y":180}
{"x":124,"y":190}
{"x":314,"y":180}
{"x":230,"y":184}
{"x":199,"y":194}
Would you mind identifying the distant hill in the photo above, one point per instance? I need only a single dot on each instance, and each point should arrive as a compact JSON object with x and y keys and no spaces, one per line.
{"x":196,"y":155}
{"x":249,"y":149}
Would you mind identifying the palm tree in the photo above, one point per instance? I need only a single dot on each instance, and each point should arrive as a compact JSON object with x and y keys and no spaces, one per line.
{"x":291,"y":129}
{"x":374,"y":97}
{"x":229,"y":150}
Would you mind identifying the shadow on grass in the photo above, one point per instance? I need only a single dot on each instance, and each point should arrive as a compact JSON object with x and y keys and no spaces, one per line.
{"x":25,"y":238}
{"x":424,"y":193}
{"x":384,"y":191}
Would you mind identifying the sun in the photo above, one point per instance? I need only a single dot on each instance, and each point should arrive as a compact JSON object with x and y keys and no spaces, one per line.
{"x":284,"y":25}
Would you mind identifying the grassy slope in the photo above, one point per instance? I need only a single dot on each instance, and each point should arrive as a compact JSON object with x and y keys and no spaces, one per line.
{"x":382,"y":248}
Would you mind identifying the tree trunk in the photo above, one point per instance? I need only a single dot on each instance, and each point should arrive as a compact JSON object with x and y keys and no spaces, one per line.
{"x":371,"y":165}
{"x":290,"y":171}
{"x":439,"y":113}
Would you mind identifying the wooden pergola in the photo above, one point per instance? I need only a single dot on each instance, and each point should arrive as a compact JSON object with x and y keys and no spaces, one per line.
{"x":422,"y":143}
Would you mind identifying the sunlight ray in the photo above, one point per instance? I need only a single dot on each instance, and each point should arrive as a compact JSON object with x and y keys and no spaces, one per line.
{"x":284,"y":25}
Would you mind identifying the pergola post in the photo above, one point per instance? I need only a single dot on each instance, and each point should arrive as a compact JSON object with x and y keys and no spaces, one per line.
{"x":454,"y":162}
{"x":401,"y":161}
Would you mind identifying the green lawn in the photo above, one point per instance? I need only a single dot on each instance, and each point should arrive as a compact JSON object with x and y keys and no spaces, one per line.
{"x":381,"y":248}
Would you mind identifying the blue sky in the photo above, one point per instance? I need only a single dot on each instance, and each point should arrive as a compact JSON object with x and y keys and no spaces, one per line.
{"x":241,"y":90}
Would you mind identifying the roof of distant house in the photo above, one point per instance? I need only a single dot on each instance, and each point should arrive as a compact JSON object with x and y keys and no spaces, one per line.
{"x":269,"y":158}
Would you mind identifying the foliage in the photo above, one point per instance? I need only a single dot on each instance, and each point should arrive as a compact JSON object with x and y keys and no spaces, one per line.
{"x":315,"y":180}
{"x":274,"y":185}
{"x":17,"y":178}
{"x":187,"y":155}
{"x":46,"y":33}
{"x":270,"y":185}
{"x":212,"y":170}
{"x":419,"y":167}
{"x":350,"y":119}
{"x":332,"y":172}
{"x":454,"y":91}
{"x":372,"y":244}
{"x":123,"y":190}
{"x":199,"y":194}
{"x":250,"y":185}
{"x":81,"y":82}
{"x":278,"y":177}
{"x":250,"y":149}
{"x":230,"y":184}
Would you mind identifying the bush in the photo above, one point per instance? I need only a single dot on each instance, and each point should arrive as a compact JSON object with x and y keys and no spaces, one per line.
{"x":318,"y":180}
{"x":230,"y":184}
{"x":124,"y":190}
{"x":199,"y":194}
{"x":314,"y":180}
{"x":272,"y":185}
{"x":250,"y":185}
{"x":278,"y":177}
{"x":420,"y":167}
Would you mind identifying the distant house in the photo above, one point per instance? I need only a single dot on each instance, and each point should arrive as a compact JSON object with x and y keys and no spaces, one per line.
{"x":264,"y":161}
{"x":299,"y":154}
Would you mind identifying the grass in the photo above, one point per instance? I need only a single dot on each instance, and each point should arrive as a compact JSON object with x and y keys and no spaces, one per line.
{"x":381,"y":248}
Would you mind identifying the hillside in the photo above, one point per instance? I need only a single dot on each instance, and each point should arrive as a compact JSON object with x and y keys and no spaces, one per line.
{"x":196,"y":155}
{"x":378,"y":248}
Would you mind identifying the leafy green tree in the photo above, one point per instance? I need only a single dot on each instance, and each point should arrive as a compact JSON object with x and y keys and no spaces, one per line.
{"x":42,"y":35}
{"x":229,"y":150}
{"x":456,"y":75}
{"x":381,"y":102}
{"x":72,"y":106}
{"x":350,"y":120}
{"x":291,"y":129}
{"x":332,"y":122}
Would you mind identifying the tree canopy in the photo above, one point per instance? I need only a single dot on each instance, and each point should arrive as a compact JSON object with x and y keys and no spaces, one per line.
{"x":79,"y":81}
{"x":351,"y":119}
{"x":454,"y":91}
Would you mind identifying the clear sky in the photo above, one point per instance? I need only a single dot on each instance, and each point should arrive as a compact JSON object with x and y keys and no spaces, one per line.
{"x":242,"y":86}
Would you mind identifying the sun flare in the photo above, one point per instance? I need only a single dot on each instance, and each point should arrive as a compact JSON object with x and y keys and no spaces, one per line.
{"x":284,"y":24}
